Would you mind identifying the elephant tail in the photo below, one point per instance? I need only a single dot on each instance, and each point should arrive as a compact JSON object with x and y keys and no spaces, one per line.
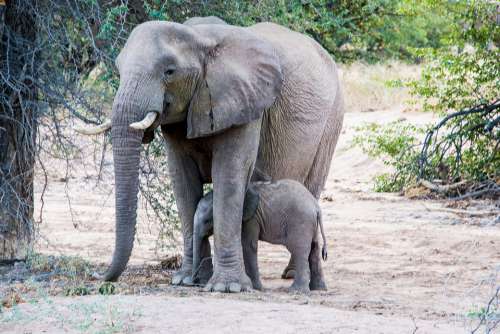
{"x":324,"y":250}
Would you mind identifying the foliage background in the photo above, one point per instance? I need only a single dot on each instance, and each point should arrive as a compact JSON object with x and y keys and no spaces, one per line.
{"x":461,"y":83}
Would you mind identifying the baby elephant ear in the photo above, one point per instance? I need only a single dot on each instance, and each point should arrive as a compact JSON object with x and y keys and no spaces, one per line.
{"x":250,"y":204}
{"x":242,"y":79}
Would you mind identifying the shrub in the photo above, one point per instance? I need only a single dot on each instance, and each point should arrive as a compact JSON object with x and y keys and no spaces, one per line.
{"x":461,"y":82}
{"x":397,"y":145}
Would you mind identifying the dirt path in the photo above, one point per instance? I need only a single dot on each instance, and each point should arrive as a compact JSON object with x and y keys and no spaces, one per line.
{"x":166,"y":314}
{"x":391,"y":260}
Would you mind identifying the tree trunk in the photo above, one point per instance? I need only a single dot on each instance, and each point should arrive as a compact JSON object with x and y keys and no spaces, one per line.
{"x":18,"y":121}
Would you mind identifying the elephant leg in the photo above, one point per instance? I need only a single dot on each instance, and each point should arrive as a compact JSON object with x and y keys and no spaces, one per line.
{"x":234,"y":154}
{"x":188,"y":189}
{"x":302,"y":274}
{"x":318,"y":172}
{"x":320,"y":168}
{"x":289,"y":271}
{"x":317,"y":278}
{"x":249,"y":240}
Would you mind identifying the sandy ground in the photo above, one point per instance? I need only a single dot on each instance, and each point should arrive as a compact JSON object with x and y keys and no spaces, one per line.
{"x":166,"y":314}
{"x":395,"y":265}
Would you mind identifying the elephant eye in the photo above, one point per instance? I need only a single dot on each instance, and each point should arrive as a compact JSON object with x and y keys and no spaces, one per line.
{"x":169,"y":72}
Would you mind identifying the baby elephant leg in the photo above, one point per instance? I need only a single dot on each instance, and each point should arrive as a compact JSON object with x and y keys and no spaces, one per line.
{"x":289,"y":271}
{"x":317,"y":278}
{"x":300,"y":254}
{"x":249,"y":240}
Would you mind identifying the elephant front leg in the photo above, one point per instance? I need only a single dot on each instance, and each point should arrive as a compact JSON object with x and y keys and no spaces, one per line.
{"x":234,"y":156}
{"x":188,"y":189}
{"x":249,"y":241}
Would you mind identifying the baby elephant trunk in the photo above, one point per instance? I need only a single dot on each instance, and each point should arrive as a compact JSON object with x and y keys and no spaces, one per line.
{"x":202,"y":267}
{"x":197,"y":244}
{"x":324,"y":250}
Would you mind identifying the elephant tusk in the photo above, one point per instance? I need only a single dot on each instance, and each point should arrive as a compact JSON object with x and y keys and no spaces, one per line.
{"x":146,"y":122}
{"x":93,"y":130}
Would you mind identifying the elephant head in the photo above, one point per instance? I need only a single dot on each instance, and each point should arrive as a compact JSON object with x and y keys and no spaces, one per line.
{"x":206,"y":78}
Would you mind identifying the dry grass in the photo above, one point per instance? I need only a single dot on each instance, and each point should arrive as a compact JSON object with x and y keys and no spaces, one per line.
{"x":370,"y":87}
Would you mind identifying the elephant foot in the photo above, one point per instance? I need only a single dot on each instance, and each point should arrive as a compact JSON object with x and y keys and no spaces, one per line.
{"x":299,"y":289}
{"x":257,"y":285}
{"x":183,"y":277}
{"x":227,"y":282}
{"x":288,"y":273}
{"x":204,"y":272}
{"x":319,"y":285}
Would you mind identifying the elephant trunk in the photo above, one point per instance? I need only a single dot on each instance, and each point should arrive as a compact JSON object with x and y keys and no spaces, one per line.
{"x":126,"y":156}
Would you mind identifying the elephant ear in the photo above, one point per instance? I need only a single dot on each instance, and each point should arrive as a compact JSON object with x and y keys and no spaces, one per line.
{"x":250,"y":203}
{"x":242,"y":78}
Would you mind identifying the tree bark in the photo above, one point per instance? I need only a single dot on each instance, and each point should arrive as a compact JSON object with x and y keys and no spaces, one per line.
{"x":18,"y":121}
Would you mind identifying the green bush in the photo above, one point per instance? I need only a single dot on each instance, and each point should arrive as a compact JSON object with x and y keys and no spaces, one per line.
{"x":465,"y":71}
{"x":372,"y":30}
{"x":107,"y":288}
{"x":397,"y":145}
{"x":464,"y":76}
{"x":461,"y":82}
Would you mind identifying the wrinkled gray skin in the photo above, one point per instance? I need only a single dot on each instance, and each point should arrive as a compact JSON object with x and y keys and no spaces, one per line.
{"x":219,"y":90}
{"x":204,"y":20}
{"x":284,"y":213}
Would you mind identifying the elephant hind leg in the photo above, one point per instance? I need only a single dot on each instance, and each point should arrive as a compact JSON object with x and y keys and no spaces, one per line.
{"x":318,"y":172}
{"x":289,"y":271}
{"x":302,"y":276}
{"x":317,"y":277}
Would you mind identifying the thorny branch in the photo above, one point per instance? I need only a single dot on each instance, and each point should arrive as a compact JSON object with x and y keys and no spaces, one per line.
{"x":489,"y":317}
{"x":70,"y":65}
{"x":460,"y":129}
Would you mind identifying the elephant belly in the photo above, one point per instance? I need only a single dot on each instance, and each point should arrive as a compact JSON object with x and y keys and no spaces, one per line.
{"x":289,"y":140}
{"x":271,"y":215}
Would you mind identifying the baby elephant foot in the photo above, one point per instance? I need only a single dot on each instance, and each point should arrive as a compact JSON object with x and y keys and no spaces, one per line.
{"x":288,"y":273}
{"x":202,"y":275}
{"x":257,"y":285}
{"x":183,"y":277}
{"x":317,"y":285}
{"x":227,"y":282}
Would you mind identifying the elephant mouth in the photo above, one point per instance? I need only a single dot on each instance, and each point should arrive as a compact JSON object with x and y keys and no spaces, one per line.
{"x":166,"y":104}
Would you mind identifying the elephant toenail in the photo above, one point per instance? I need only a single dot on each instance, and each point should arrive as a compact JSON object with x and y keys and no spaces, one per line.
{"x":176,"y":280}
{"x":234,"y":287}
{"x":187,"y":281}
{"x":220,"y":287}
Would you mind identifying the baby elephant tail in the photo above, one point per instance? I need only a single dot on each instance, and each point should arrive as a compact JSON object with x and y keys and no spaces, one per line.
{"x":324,"y":251}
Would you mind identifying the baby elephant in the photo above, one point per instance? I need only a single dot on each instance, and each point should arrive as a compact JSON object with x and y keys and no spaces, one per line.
{"x":282,"y":212}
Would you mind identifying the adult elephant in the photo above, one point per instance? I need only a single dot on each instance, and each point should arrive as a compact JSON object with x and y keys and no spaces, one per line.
{"x":217,"y":91}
